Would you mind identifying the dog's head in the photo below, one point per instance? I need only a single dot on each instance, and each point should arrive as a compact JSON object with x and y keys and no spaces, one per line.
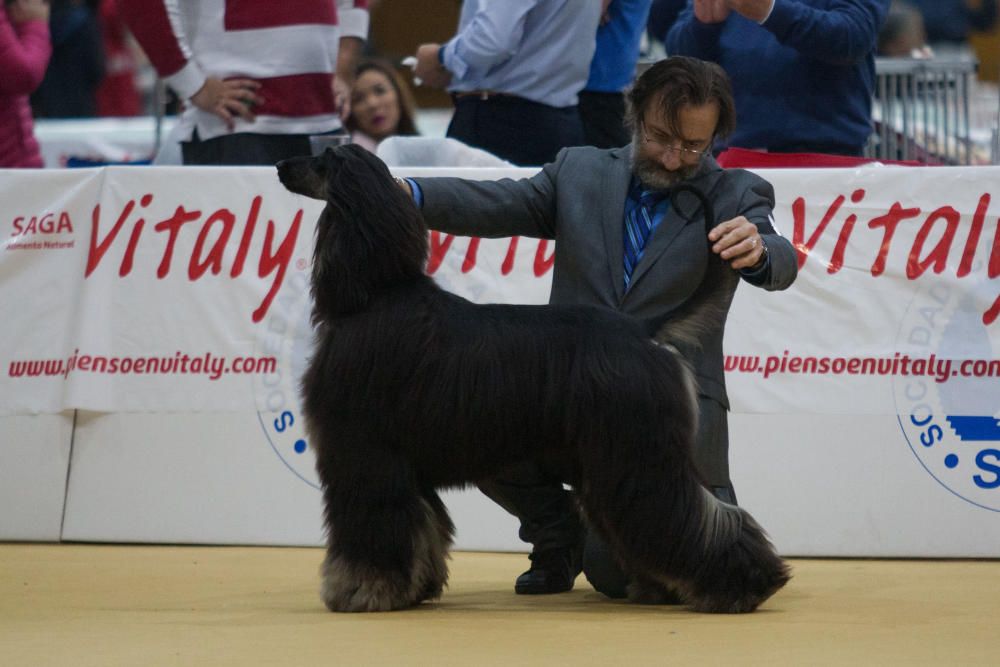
{"x":332,"y":174}
{"x":369,"y":237}
{"x":304,"y":175}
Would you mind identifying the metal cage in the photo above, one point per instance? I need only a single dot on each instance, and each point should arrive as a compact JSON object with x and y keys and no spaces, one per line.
{"x":921,"y":110}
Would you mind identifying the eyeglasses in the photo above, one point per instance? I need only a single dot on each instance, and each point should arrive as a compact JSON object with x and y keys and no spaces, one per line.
{"x":666,"y":145}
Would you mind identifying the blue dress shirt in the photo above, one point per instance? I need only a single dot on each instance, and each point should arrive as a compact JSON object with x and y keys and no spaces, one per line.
{"x":536,"y":49}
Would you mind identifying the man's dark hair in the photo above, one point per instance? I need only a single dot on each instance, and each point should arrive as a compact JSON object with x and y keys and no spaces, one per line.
{"x":680,"y":81}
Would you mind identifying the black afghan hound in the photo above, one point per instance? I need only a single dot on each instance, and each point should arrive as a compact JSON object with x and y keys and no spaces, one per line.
{"x":411,"y":389}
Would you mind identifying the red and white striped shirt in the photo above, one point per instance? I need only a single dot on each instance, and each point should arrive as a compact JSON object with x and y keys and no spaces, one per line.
{"x":289,"y":47}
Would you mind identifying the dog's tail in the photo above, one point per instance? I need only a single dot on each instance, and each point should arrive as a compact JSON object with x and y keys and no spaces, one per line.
{"x":705,"y":311}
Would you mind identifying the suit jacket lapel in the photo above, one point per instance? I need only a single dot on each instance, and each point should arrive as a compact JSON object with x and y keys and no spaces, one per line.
{"x":614,"y":190}
{"x":658,"y":242}
{"x":668,"y":229}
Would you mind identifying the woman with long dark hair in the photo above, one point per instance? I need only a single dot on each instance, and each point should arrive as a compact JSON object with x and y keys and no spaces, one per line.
{"x":381,"y":105}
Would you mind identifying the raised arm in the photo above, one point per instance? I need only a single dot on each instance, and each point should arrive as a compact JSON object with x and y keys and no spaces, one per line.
{"x":843,"y":33}
{"x":757,"y":206}
{"x":492,"y":209}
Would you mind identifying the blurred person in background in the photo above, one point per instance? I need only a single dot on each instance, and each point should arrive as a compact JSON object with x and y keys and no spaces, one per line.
{"x":118,"y":94}
{"x":949,"y":23}
{"x":24,"y":54}
{"x":381,"y":105}
{"x":662,"y":15}
{"x":903,"y":35}
{"x":514,"y":70}
{"x":803,"y":71}
{"x":261,"y":80}
{"x":602,"y":101}
{"x":69,"y":89}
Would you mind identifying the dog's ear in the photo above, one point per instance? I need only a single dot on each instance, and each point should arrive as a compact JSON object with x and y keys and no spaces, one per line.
{"x":349,"y":167}
{"x":335,"y":159}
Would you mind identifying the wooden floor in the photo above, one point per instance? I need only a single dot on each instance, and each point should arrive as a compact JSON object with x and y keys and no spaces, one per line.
{"x":126,"y":605}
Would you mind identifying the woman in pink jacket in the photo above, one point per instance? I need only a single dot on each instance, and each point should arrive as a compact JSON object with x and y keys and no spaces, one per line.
{"x":24,"y":53}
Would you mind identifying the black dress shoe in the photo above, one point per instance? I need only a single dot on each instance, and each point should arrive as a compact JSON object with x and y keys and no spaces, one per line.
{"x":552,"y":571}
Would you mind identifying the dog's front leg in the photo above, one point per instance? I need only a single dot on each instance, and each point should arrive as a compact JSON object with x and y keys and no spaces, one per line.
{"x":386,"y":546}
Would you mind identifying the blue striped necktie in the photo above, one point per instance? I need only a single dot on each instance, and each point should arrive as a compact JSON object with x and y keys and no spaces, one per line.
{"x":638,"y":225}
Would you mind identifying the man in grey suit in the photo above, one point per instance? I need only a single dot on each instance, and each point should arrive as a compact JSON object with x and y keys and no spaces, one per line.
{"x":621,"y":244}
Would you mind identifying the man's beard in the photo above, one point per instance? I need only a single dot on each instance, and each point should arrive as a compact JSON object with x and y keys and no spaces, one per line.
{"x":652,"y":174}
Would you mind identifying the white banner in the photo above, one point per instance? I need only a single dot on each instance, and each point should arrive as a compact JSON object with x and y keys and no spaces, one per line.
{"x":182,"y":289}
{"x":140,"y":292}
{"x":897,"y":297}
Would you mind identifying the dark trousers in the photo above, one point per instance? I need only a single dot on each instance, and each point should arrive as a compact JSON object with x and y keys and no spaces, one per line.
{"x":548,"y":514}
{"x":244,"y":148}
{"x":523,"y":132}
{"x":603,"y":116}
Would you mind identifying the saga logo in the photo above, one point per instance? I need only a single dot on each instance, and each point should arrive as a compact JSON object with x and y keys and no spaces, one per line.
{"x":951,"y":423}
{"x":48,"y":223}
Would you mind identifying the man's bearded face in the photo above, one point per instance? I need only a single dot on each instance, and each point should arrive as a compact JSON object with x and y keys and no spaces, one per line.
{"x":660,"y":159}
{"x":650,"y":169}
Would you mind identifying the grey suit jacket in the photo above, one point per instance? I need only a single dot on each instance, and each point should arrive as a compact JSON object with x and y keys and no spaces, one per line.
{"x":579,"y":200}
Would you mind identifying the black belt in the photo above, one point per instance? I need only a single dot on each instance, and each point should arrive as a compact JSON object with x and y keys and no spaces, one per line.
{"x":481,"y":94}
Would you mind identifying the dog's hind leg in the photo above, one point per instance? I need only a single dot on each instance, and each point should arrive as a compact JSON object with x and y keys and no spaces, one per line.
{"x":430,"y":564}
{"x":714,"y":556}
{"x":385,"y":545}
{"x":641,"y":492}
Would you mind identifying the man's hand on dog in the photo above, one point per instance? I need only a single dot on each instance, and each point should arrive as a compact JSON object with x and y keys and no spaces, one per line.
{"x":738,"y":242}
{"x":229,"y":99}
{"x":404,"y":186}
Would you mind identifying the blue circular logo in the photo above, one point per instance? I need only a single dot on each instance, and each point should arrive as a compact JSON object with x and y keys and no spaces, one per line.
{"x":287,"y":335}
{"x":948,"y":405}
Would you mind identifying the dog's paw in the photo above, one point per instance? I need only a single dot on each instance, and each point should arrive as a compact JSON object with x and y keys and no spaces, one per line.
{"x":741,"y":576}
{"x":358,"y":588}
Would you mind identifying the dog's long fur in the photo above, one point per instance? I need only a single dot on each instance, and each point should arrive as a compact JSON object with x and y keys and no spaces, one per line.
{"x":412,"y":389}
